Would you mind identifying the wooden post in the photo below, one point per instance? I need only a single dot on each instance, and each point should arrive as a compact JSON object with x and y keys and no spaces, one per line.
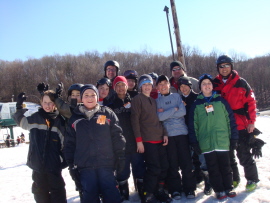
{"x":180,"y":54}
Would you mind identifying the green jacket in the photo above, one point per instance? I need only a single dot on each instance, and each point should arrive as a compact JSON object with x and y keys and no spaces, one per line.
{"x":212,"y":130}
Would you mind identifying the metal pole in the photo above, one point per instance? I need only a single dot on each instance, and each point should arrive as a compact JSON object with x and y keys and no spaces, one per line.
{"x":166,"y":9}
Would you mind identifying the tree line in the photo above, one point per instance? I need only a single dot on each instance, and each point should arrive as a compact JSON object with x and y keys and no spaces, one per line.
{"x":17,"y":76}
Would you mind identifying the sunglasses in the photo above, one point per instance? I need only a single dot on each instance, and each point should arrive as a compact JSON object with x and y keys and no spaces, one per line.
{"x":176,"y":69}
{"x":225,"y":66}
{"x":130,"y":73}
{"x":205,"y":75}
{"x":111,"y":70}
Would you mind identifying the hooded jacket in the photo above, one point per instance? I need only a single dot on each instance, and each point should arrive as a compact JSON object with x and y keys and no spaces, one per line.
{"x":46,"y":136}
{"x":212,"y":130}
{"x":90,"y":143}
{"x":237,"y":92}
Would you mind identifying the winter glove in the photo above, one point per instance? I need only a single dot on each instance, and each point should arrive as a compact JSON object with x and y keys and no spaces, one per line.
{"x":59,"y":90}
{"x":120,"y":161}
{"x":42,"y":88}
{"x":21,"y":98}
{"x":75,"y":175}
{"x":256,"y":153}
{"x":233,"y":144}
{"x":196,"y":148}
{"x":256,"y":144}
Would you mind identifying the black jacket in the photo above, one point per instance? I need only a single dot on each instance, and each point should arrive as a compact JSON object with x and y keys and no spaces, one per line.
{"x":46,"y":139}
{"x":189,"y":100}
{"x":92,"y":145}
{"x":123,"y":113}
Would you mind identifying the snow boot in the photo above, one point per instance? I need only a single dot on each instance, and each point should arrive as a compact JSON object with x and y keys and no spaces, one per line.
{"x":176,"y":196}
{"x":236,"y":183}
{"x":161,"y":194}
{"x":149,"y":198}
{"x":124,"y":190}
{"x":207,"y":186}
{"x":221,"y":195}
{"x":251,"y":186}
{"x":190,"y":194}
{"x":230,"y":193}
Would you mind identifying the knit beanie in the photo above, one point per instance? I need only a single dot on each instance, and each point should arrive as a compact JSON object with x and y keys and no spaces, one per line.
{"x":145,"y":78}
{"x":203,"y":77}
{"x":119,"y":79}
{"x":176,"y":63}
{"x":161,"y":78}
{"x":184,"y":80}
{"x":89,"y":86}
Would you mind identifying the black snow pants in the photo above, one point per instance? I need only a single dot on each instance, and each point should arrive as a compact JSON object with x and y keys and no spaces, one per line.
{"x":48,"y":187}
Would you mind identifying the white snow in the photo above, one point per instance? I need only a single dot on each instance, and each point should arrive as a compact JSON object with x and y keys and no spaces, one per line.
{"x":16,"y":178}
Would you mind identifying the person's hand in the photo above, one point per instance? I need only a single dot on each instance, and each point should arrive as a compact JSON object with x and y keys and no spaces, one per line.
{"x":140,"y":147}
{"x":160,"y":110}
{"x":196,"y":148}
{"x":20,"y":99}
{"x":120,"y":161}
{"x":165,"y":140}
{"x":233,"y":144}
{"x":59,"y":90}
{"x":256,"y":153}
{"x":75,"y":175}
{"x":250,"y":128}
{"x":41,"y":87}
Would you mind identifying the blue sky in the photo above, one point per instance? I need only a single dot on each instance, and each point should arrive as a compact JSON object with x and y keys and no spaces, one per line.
{"x":35,"y":28}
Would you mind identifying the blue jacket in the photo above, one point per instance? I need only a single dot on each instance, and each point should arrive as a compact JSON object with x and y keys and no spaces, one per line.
{"x":173,"y":120}
{"x":89,"y":144}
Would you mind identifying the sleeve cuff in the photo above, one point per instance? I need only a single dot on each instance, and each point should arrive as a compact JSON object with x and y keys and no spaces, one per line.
{"x":139,"y":139}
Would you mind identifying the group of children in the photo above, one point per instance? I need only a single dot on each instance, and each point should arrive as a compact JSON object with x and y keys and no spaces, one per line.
{"x":123,"y":125}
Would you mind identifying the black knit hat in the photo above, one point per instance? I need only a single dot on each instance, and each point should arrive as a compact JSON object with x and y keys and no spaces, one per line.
{"x":203,"y":77}
{"x":184,"y":81}
{"x":89,"y":86}
{"x":162,"y":78}
{"x":176,"y":63}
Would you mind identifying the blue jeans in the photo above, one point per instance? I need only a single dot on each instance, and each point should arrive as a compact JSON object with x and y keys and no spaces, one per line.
{"x":96,"y":181}
{"x":138,"y":167}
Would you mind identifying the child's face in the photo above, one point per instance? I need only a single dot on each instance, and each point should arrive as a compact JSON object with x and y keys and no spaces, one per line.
{"x":103,"y":91}
{"x":206,"y":87}
{"x":131,"y":84}
{"x":75,"y":94}
{"x":121,"y":88}
{"x":163,"y":87}
{"x":47,"y":104}
{"x":89,"y":99}
{"x":147,"y":88}
{"x":185,"y":89}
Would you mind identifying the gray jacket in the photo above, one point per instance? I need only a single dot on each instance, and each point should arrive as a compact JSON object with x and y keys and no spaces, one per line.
{"x":173,"y":120}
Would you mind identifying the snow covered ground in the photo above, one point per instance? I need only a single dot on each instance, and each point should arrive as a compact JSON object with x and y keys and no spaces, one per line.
{"x":16,"y":176}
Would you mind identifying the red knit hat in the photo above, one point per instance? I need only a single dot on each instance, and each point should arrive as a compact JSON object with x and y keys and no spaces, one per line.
{"x":119,"y":79}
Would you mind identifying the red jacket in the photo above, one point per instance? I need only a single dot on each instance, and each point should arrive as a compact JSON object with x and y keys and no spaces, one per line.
{"x":240,"y":96}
